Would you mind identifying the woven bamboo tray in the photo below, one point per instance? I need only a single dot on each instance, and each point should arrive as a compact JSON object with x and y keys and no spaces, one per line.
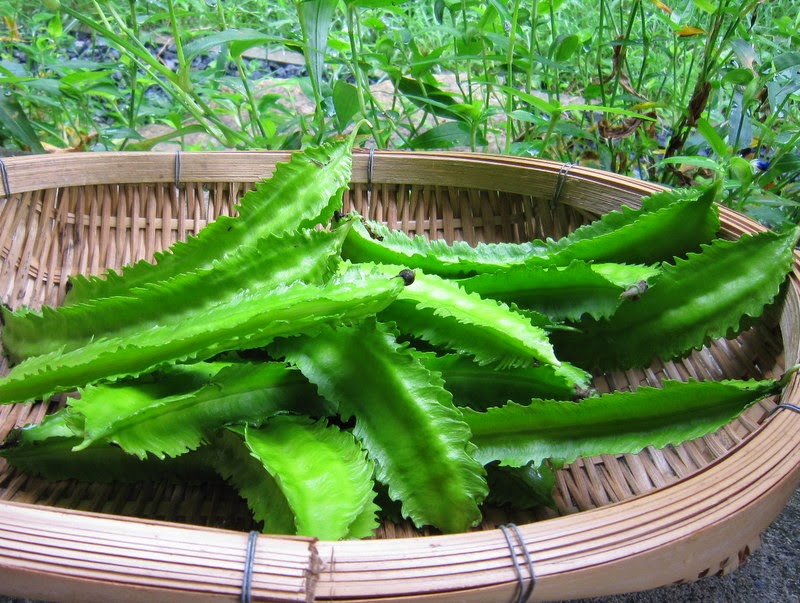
{"x":625,"y":523}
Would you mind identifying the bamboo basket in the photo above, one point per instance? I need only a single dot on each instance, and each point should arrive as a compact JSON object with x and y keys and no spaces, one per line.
{"x":624,"y":523}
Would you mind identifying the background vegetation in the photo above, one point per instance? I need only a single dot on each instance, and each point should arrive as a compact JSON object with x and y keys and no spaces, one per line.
{"x":677,"y":92}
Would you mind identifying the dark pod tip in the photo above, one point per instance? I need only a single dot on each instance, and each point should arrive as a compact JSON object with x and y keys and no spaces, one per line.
{"x":407,"y":276}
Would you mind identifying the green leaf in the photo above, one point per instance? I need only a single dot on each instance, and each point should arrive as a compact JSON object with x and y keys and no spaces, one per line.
{"x":706,"y":5}
{"x":738,"y":77}
{"x":373,"y":3}
{"x":444,"y":136}
{"x":316,"y":18}
{"x":715,"y":141}
{"x":564,"y":46}
{"x":533,"y":100}
{"x":546,"y":6}
{"x":615,"y":423}
{"x":54,"y":26}
{"x":148,"y":143}
{"x":428,"y":95}
{"x":238,"y":39}
{"x":345,"y":103}
{"x":695,"y":160}
{"x":786,"y":60}
{"x":555,"y":108}
{"x":404,"y":418}
{"x":14,"y":120}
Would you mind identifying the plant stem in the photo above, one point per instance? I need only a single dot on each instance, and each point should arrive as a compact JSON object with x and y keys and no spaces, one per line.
{"x":255,"y":119}
{"x":153,"y":67}
{"x":358,"y":75}
{"x":184,"y":80}
{"x":133,"y":76}
{"x":510,"y":76}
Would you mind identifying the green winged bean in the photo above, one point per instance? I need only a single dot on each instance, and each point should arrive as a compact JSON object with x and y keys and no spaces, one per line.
{"x":304,"y":255}
{"x":707,"y":295}
{"x":614,"y":423}
{"x":243,"y":320}
{"x":404,"y":417}
{"x":302,"y":193}
{"x":671,"y":224}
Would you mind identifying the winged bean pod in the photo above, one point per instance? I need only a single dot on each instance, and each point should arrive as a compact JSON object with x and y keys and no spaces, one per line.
{"x":561,"y":292}
{"x":673,"y":223}
{"x":707,"y":295}
{"x":668,"y":224}
{"x":369,"y":241}
{"x":615,"y":423}
{"x":443,"y":313}
{"x":272,"y":261}
{"x":240,"y":392}
{"x":480,"y":387}
{"x":302,"y":193}
{"x":47,"y":450}
{"x":404,"y":417}
{"x":243,"y":320}
{"x":321,"y":471}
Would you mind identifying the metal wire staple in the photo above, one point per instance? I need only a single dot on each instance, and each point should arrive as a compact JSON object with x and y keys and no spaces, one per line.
{"x":523,"y":593}
{"x":561,"y":180}
{"x":249,"y":562}
{"x":786,"y":405}
{"x":4,"y":174}
{"x":177,"y":169}
{"x":370,"y":168}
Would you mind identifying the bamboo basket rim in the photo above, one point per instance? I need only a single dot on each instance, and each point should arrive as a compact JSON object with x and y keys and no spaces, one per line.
{"x":621,"y":547}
